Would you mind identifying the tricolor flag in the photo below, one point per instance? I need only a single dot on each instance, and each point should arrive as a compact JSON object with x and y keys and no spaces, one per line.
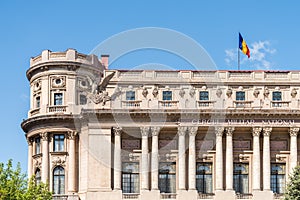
{"x":243,"y":46}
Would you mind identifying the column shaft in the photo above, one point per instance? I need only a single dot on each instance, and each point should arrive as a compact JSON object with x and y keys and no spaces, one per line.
{"x":117,"y":159}
{"x":30,"y":153}
{"x":72,"y":164}
{"x":45,"y":158}
{"x":293,"y":148}
{"x":145,"y":163}
{"x":219,"y":158}
{"x":154,"y":158}
{"x":181,"y":157}
{"x":229,"y":159}
{"x":256,"y":159}
{"x":266,"y":159}
{"x":192,"y":158}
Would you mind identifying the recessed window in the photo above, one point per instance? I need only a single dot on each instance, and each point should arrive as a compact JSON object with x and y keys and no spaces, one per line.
{"x":37,"y":145}
{"x":278,"y":178}
{"x":204,"y":178}
{"x":130,"y":95}
{"x":38,"y":176}
{"x":240,"y":96}
{"x":58,"y":99}
{"x":58,"y":142}
{"x":167,"y":95}
{"x":130,"y":178}
{"x":203,"y":96}
{"x":82,"y":99}
{"x":59,"y":180}
{"x":38,"y":102}
{"x":167,"y":177}
{"x":241,"y":178}
{"x":277,"y":96}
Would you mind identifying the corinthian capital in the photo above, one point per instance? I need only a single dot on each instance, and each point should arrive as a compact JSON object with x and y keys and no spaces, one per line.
{"x":72,"y":135}
{"x":182,"y":130}
{"x":219,"y":130}
{"x":145,"y":131}
{"x":256,"y":131}
{"x":229,"y":131}
{"x":117,"y":131}
{"x":155,"y":130}
{"x":193,"y":130}
{"x":267,"y":131}
{"x":294,"y":131}
{"x":29,"y":141}
{"x":44,"y":136}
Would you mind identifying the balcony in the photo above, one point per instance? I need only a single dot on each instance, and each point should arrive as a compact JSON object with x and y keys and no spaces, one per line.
{"x":167,"y":196}
{"x":131,"y":196}
{"x":206,"y":195}
{"x":205,"y":104}
{"x":57,"y":109}
{"x":65,"y":197}
{"x":34,"y":111}
{"x":280,"y":104}
{"x":242,"y":104}
{"x":244,"y":196}
{"x":132,"y":104}
{"x":168,"y":104}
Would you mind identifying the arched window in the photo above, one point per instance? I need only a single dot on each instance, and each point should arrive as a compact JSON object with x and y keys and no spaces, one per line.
{"x":37,"y":176}
{"x":58,"y":180}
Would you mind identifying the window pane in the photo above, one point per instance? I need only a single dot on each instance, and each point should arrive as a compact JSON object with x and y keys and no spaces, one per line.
{"x":58,"y":143}
{"x":167,"y":95}
{"x":37,"y":145}
{"x":130,"y":178}
{"x":38,"y":102}
{"x":276,"y":96}
{"x":130,"y":95}
{"x":167,"y":178}
{"x":278,"y":178}
{"x":203,"y":96}
{"x":58,"y":98}
{"x":37,"y":176}
{"x":204,"y":177}
{"x":82,"y":100}
{"x":241,"y":178}
{"x":58,"y":180}
{"x":240,"y":96}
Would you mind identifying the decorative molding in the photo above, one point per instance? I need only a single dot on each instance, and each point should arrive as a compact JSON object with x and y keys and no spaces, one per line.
{"x":181,"y":92}
{"x":155,"y":92}
{"x":267,"y":131}
{"x":294,"y":131}
{"x":229,"y":92}
{"x":219,"y":131}
{"x":44,"y":136}
{"x":219,"y":92}
{"x":58,"y":161}
{"x":193,"y":130}
{"x":192,"y":92}
{"x":256,"y":93}
{"x":229,"y":131}
{"x":37,"y":85}
{"x":38,"y":163}
{"x":182,"y":130}
{"x":134,"y":157}
{"x":266,"y":92}
{"x":256,"y":131}
{"x":244,"y":158}
{"x":155,"y":130}
{"x":29,"y":141}
{"x":145,"y":92}
{"x":145,"y":131}
{"x":58,"y":82}
{"x":117,"y":131}
{"x":72,"y":135}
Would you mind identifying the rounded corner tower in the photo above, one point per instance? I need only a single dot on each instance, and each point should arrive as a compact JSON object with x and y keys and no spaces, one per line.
{"x":59,"y":85}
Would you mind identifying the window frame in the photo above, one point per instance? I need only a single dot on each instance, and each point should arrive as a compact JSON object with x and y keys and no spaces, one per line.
{"x":130,"y":95}
{"x":240,"y":96}
{"x":58,"y":100}
{"x":37,"y":101}
{"x":61,"y":178}
{"x":38,"y":179}
{"x":240,"y":174}
{"x":82,"y":97}
{"x":279,"y":187}
{"x":275,"y":95}
{"x":59,"y":143}
{"x":167,"y":95}
{"x":169,"y":177}
{"x":133,"y":186}
{"x":202,"y":176}
{"x":38,"y":145}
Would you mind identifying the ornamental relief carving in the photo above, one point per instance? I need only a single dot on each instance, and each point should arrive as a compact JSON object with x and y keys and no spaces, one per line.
{"x":256,"y":131}
{"x":58,"y":82}
{"x":37,"y":86}
{"x":219,"y":131}
{"x":182,"y":130}
{"x":117,"y":131}
{"x":44,"y":136}
{"x":294,"y":131}
{"x":72,"y":135}
{"x":37,"y":163}
{"x":83,"y":83}
{"x":155,"y":131}
{"x":145,"y":131}
{"x":58,"y":161}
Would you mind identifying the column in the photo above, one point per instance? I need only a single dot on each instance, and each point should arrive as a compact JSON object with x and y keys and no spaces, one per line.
{"x":145,"y":164}
{"x":293,"y":148}
{"x":154,"y":158}
{"x":266,"y":158}
{"x":72,"y":165}
{"x":30,"y":152}
{"x":45,"y":158}
{"x":192,"y":157}
{"x":181,"y":157}
{"x":229,"y":158}
{"x":117,"y":158}
{"x":256,"y":158}
{"x":219,"y":158}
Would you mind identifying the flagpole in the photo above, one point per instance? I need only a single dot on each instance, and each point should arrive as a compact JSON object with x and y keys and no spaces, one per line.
{"x":238,"y":59}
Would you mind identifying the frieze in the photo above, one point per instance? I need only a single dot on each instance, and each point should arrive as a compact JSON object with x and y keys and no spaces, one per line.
{"x":278,"y":145}
{"x":242,"y":144}
{"x":204,"y":145}
{"x":131,"y":144}
{"x":58,"y":161}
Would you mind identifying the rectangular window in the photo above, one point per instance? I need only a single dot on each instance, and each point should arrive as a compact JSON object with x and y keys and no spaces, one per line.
{"x":82,"y":99}
{"x":204,"y":178}
{"x":240,"y":96}
{"x":241,"y":178}
{"x":130,"y":95}
{"x":37,"y":145}
{"x":276,"y":96}
{"x":278,"y":178}
{"x":38,"y":102}
{"x":203,"y":96}
{"x":58,"y":99}
{"x":167,"y":95}
{"x":130,"y":178}
{"x":167,"y":177}
{"x":58,"y":142}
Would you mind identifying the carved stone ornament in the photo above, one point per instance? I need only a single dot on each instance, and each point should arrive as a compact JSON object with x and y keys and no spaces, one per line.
{"x":29,"y":141}
{"x":256,"y":93}
{"x":72,"y":135}
{"x":44,"y":136}
{"x":182,"y":130}
{"x":256,"y":131}
{"x":155,"y":92}
{"x":145,"y":131}
{"x":181,"y":92}
{"x":155,"y":130}
{"x":219,"y":92}
{"x":192,"y":92}
{"x":134,"y":157}
{"x":294,"y":131}
{"x":117,"y":131}
{"x":37,"y":163}
{"x":193,"y":130}
{"x":145,"y":92}
{"x":37,"y":86}
{"x":117,"y":92}
{"x":58,"y":161}
{"x":58,"y":81}
{"x":229,"y":131}
{"x":170,"y":157}
{"x":219,"y":131}
{"x":267,"y":131}
{"x":294,"y":92}
{"x":229,"y":92}
{"x":99,"y":98}
{"x":266,"y":92}
{"x":244,"y":157}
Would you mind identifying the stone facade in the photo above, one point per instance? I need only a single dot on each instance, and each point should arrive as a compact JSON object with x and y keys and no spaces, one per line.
{"x":160,"y":134}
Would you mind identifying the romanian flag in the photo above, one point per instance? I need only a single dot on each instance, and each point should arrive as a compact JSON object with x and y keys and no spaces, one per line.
{"x":243,"y":46}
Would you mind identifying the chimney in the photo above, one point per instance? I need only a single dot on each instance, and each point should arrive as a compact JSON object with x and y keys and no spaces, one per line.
{"x":104,"y":60}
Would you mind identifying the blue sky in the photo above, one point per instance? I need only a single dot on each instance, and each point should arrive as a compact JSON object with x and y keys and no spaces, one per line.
{"x":270,"y":28}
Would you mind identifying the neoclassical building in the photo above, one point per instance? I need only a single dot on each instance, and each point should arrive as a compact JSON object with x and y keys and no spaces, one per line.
{"x":152,"y":134}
